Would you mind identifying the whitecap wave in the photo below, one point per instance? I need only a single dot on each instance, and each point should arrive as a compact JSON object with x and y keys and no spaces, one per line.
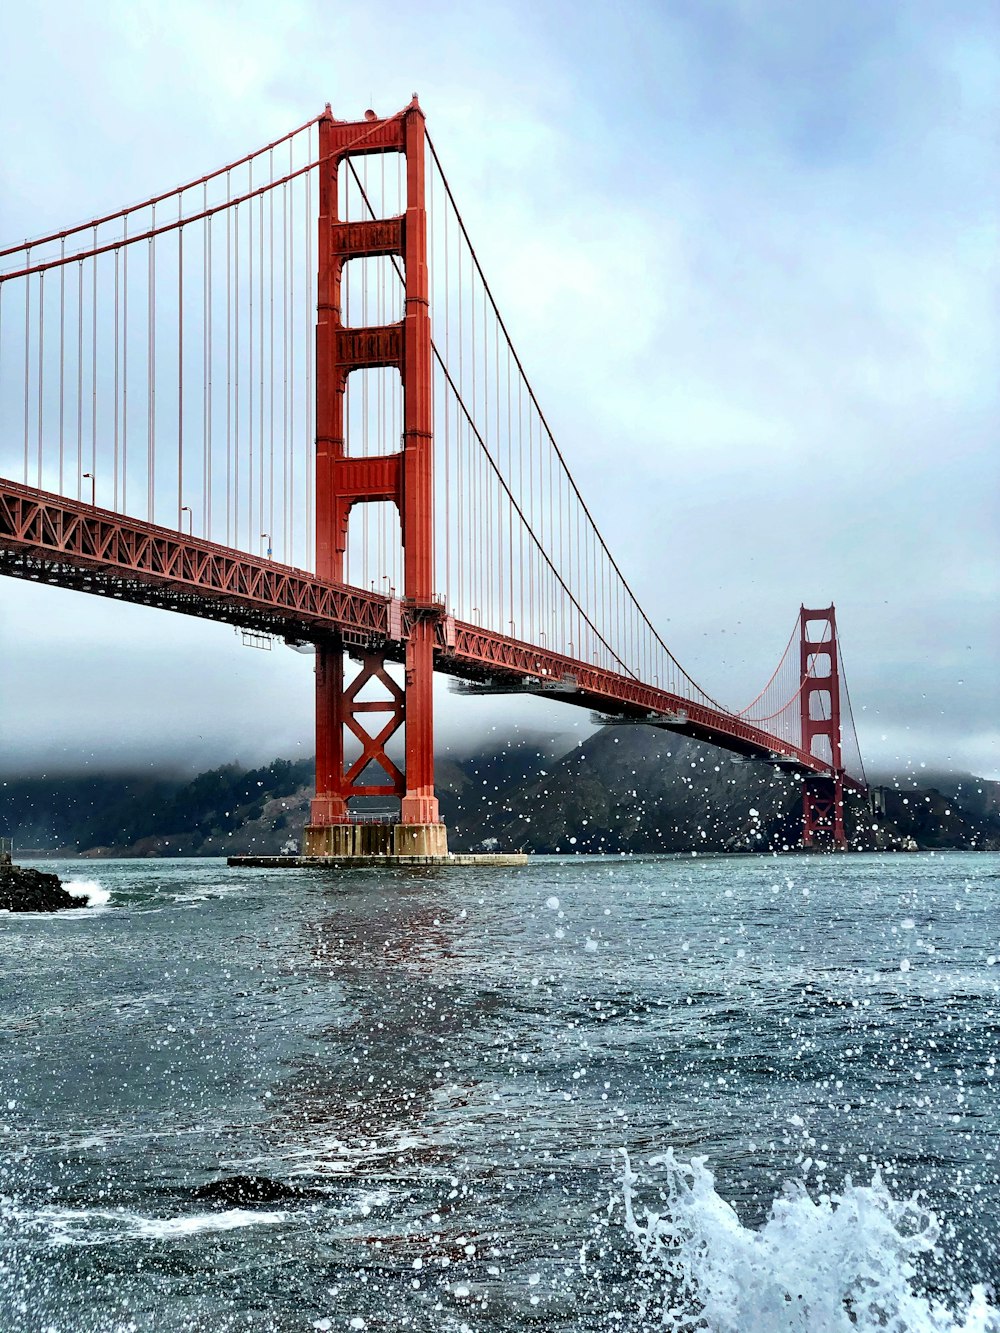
{"x":840,"y":1262}
{"x":95,"y":893}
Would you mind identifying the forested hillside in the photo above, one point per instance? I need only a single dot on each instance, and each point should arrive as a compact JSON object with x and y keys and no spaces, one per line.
{"x":625,"y":789}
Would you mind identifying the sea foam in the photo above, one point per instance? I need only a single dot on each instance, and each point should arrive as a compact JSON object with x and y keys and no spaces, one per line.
{"x":102,"y":1226}
{"x":90,"y":889}
{"x":842,"y":1263}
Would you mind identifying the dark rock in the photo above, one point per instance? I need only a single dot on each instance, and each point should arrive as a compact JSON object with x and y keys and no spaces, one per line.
{"x":250,"y":1189}
{"x":24,"y":890}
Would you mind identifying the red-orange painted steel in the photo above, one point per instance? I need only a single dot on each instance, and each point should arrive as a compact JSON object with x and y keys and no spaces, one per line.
{"x":329,"y":805}
{"x":819,"y":705}
{"x":373,"y":743}
{"x":419,"y":805}
{"x":405,"y":477}
{"x":71,"y":544}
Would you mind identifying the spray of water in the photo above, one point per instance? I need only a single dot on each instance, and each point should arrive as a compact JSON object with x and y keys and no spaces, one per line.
{"x":840,"y":1263}
{"x":89,"y":889}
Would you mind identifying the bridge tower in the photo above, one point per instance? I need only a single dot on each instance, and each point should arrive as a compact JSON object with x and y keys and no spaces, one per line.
{"x":404,"y":478}
{"x":819,"y":704}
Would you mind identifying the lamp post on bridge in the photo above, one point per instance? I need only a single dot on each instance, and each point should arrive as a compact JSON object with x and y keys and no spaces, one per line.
{"x":266,"y":537}
{"x":93,"y":487}
{"x":186,"y":509}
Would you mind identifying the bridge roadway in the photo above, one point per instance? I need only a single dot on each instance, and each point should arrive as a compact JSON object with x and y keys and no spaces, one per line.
{"x":71,"y":544}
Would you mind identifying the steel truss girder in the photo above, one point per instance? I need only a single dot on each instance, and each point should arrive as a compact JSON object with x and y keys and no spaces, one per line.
{"x":53,"y":540}
{"x":68,"y":543}
{"x":668,"y":722}
{"x":516,"y":685}
{"x":481,"y":654}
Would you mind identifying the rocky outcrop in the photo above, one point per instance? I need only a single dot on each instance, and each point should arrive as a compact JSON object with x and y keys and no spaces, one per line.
{"x":23,"y":890}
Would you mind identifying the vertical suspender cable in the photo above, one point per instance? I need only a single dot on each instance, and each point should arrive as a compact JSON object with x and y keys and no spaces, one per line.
{"x":1,"y":343}
{"x":309,"y":440}
{"x":524,"y":629}
{"x":531,"y":502}
{"x":236,"y":376}
{"x":62,"y":362}
{"x":250,"y":365}
{"x":229,"y":362}
{"x":286,"y":516}
{"x":151,"y":363}
{"x":475,"y":517}
{"x":270,"y":430}
{"x":291,"y":315}
{"x":460,"y":461}
{"x":486,"y":512}
{"x":79,"y":379}
{"x":497,"y":481}
{"x":579,"y":580}
{"x":260,"y":359}
{"x":447,"y":419}
{"x":180,"y":369}
{"x":93,"y":368}
{"x":125,"y":341}
{"x":206,"y":519}
{"x":432,"y":238}
{"x":27,"y":361}
{"x":117,"y":382}
{"x":41,"y":370}
{"x":552,"y":534}
{"x":510,"y":508}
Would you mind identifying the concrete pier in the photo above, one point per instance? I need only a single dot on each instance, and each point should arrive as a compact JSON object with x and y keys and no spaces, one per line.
{"x":349,"y":841}
{"x":362,"y":844}
{"x":367,"y":861}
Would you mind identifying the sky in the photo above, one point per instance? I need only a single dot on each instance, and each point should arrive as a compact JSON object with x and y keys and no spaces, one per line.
{"x":748,"y":252}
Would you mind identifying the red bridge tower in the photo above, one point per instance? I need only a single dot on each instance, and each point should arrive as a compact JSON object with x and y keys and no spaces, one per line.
{"x":819,"y":703}
{"x":404,"y":477}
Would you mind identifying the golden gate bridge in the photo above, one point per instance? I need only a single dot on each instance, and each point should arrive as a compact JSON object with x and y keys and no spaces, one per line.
{"x":283,"y":396}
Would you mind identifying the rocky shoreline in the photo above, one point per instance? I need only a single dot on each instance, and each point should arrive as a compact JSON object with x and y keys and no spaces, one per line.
{"x":24,"y":890}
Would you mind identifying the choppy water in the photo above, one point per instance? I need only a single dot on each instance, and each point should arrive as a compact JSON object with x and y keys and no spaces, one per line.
{"x":451,"y":1063}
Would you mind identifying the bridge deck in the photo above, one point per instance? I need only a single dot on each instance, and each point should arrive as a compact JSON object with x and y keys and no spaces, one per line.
{"x":49,"y":539}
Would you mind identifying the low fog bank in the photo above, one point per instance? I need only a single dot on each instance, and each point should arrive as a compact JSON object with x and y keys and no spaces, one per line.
{"x":623,"y":789}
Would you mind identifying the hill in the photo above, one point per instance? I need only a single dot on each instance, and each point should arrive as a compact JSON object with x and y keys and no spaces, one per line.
{"x":639,"y":789}
{"x":625,"y":789}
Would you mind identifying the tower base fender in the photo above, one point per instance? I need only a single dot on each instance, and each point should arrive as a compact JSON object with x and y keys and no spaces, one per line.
{"x":350,"y":840}
{"x":420,"y":839}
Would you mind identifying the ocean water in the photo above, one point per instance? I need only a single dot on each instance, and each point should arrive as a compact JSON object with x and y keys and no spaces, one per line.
{"x":732,"y":1094}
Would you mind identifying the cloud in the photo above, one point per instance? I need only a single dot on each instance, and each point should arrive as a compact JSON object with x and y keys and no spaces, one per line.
{"x":748,"y":255}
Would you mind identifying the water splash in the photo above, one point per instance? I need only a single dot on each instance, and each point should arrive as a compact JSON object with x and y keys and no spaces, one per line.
{"x":94,"y":893}
{"x":842,"y":1263}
